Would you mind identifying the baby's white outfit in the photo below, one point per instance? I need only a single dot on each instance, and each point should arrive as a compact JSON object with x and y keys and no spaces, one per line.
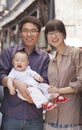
{"x":38,"y":91}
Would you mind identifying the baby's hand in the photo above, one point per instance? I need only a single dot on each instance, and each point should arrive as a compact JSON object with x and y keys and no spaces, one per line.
{"x":12,"y":90}
{"x":38,"y":78}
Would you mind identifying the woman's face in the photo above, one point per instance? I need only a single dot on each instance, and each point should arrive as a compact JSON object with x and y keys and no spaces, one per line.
{"x":55,"y":38}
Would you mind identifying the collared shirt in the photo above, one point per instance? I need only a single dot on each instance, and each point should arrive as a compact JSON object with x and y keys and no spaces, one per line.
{"x":67,"y":74}
{"x":12,"y":105}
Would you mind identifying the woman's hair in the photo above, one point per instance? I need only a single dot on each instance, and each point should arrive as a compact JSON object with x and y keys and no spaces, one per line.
{"x":30,"y":19}
{"x":53,"y":25}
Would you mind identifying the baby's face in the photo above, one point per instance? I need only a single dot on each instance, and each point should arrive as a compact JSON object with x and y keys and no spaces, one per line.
{"x":20,"y":61}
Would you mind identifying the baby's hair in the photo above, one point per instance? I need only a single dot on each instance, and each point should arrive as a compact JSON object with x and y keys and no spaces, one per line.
{"x":20,"y":51}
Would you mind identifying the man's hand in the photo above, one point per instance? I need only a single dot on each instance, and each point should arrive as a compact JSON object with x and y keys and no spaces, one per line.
{"x":22,"y":88}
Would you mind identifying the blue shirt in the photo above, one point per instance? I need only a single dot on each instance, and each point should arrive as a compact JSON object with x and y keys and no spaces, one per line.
{"x":12,"y":105}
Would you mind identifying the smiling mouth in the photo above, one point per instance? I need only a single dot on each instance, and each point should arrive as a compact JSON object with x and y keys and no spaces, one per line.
{"x":29,"y":39}
{"x":55,"y":40}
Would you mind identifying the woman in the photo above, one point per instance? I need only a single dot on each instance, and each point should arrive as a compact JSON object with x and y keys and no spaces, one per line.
{"x":65,"y":77}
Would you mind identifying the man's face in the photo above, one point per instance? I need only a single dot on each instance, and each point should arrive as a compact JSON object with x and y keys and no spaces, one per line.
{"x":29,"y":34}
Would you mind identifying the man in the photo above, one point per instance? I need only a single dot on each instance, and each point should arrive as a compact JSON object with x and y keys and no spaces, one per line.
{"x":19,"y":114}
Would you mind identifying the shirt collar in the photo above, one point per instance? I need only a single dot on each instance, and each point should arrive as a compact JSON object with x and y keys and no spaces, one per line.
{"x":21,"y":47}
{"x":64,"y":53}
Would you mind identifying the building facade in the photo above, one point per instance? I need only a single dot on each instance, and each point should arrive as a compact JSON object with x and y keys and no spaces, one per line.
{"x":13,"y":11}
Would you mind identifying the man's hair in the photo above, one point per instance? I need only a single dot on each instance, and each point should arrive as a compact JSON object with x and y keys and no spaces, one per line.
{"x":30,"y":19}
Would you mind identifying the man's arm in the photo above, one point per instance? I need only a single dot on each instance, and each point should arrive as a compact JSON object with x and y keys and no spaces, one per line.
{"x":4,"y":81}
{"x":21,"y":86}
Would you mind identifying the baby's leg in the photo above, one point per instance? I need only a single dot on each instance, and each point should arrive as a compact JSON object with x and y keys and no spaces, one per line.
{"x":44,"y":88}
{"x":37,"y":96}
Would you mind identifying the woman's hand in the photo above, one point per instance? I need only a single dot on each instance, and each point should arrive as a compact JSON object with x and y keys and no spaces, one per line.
{"x":52,"y":89}
{"x":22,"y":87}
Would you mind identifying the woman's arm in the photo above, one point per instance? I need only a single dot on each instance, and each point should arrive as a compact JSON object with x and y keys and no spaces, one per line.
{"x":65,"y":90}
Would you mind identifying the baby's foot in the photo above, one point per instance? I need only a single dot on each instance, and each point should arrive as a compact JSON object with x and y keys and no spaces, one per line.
{"x":49,"y":106}
{"x":61,"y":99}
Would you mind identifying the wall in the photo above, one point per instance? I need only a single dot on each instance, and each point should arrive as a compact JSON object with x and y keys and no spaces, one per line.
{"x":70,"y":11}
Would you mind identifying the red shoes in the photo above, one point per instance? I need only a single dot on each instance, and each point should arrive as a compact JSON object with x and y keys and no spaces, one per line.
{"x":61,"y":99}
{"x":49,"y":106}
